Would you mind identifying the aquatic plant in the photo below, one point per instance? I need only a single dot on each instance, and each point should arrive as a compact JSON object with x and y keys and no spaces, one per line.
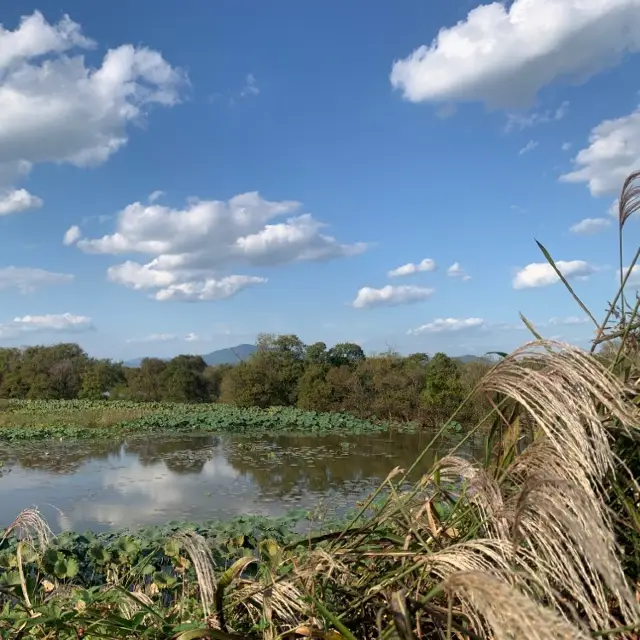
{"x":63,"y":419}
{"x":527,"y":545}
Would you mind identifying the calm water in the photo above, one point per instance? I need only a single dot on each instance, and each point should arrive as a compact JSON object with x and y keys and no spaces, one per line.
{"x":111,"y":485}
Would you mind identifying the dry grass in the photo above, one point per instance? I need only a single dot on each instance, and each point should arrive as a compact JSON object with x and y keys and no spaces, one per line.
{"x":523,"y":548}
{"x":30,"y":526}
{"x":92,"y":418}
{"x":526,"y":551}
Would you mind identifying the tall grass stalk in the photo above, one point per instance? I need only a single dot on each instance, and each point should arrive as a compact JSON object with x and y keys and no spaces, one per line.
{"x":526,"y":545}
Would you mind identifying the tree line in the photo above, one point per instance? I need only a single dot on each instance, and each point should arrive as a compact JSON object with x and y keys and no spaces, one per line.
{"x":283,"y":371}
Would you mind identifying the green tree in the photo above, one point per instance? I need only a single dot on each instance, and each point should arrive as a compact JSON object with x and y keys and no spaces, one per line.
{"x":53,"y":372}
{"x":99,"y":378}
{"x":443,"y":390}
{"x":214,"y":377}
{"x":315,"y":391}
{"x":346,"y":353}
{"x":316,"y":353}
{"x":146,"y":382}
{"x":183,"y":380}
{"x":246,"y":386}
{"x":12,"y":384}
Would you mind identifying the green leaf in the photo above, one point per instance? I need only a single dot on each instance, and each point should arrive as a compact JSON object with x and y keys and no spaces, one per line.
{"x":172,"y":548}
{"x":72,"y":567}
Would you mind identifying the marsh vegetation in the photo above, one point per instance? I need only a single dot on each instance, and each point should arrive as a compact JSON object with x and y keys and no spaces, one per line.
{"x":537,"y":538}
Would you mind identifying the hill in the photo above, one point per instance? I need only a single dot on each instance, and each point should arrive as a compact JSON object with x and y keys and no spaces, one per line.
{"x":221,"y":356}
{"x":469,"y":358}
{"x":230,"y":355}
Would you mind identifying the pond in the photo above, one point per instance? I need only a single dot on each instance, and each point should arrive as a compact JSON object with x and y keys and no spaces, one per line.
{"x":104,"y":485}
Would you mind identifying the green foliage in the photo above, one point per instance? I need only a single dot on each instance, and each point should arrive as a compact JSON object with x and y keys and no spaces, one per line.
{"x":443,"y":389}
{"x":346,"y":353}
{"x":64,"y":419}
{"x":80,"y":580}
{"x":282,"y":372}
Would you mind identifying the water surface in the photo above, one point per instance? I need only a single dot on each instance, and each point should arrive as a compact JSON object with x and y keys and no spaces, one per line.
{"x":102,"y":485}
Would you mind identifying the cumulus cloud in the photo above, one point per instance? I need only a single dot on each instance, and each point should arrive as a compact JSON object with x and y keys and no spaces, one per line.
{"x":534,"y":118}
{"x":456,"y":271}
{"x":53,"y":322}
{"x":530,"y":146}
{"x":566,"y":146}
{"x":28,"y":280}
{"x":410,"y":268}
{"x":209,"y":289}
{"x":502,"y":55}
{"x":634,"y":277}
{"x":191,"y":248}
{"x":156,"y":337}
{"x":613,"y":153}
{"x":155,"y":195}
{"x":50,"y":323}
{"x":170,"y":337}
{"x":72,"y":235}
{"x":55,"y":108}
{"x":250,"y":86}
{"x":390,"y":296}
{"x":17,"y":201}
{"x":568,"y":320}
{"x":448,"y":325}
{"x":542,"y":274}
{"x":590,"y":226}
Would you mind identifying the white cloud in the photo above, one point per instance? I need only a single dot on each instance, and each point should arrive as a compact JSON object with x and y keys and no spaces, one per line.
{"x":590,"y":226}
{"x":209,"y":289}
{"x":568,"y":320}
{"x":28,"y":280}
{"x":448,"y":325}
{"x":503,"y":55}
{"x":55,"y":108}
{"x":390,"y":296}
{"x":155,"y":337}
{"x":191,"y":248}
{"x":250,"y":86}
{"x":155,"y":195}
{"x":189,"y":337}
{"x":530,"y":146}
{"x":613,"y":153}
{"x":534,"y":118}
{"x":566,"y":146}
{"x":410,"y":268}
{"x":613,"y":209}
{"x":53,"y":322}
{"x":456,"y":271}
{"x":634,"y":278}
{"x":542,"y":274}
{"x":72,"y":235}
{"x":17,"y":200}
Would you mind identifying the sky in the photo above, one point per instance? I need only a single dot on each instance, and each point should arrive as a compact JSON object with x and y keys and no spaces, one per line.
{"x":177,"y":178}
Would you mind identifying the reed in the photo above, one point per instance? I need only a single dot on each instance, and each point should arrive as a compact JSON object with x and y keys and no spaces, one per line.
{"x":540,"y":542}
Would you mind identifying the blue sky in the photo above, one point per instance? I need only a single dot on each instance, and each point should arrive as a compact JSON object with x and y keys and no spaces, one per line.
{"x":179,"y":179}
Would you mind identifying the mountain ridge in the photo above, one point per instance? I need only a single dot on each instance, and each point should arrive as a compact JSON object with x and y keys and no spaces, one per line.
{"x":230,"y":355}
{"x":240,"y":352}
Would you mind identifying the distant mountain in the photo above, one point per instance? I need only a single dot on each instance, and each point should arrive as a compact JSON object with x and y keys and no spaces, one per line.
{"x":236,"y":354}
{"x":232,"y":355}
{"x":470,"y":358}
{"x":134,"y":363}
